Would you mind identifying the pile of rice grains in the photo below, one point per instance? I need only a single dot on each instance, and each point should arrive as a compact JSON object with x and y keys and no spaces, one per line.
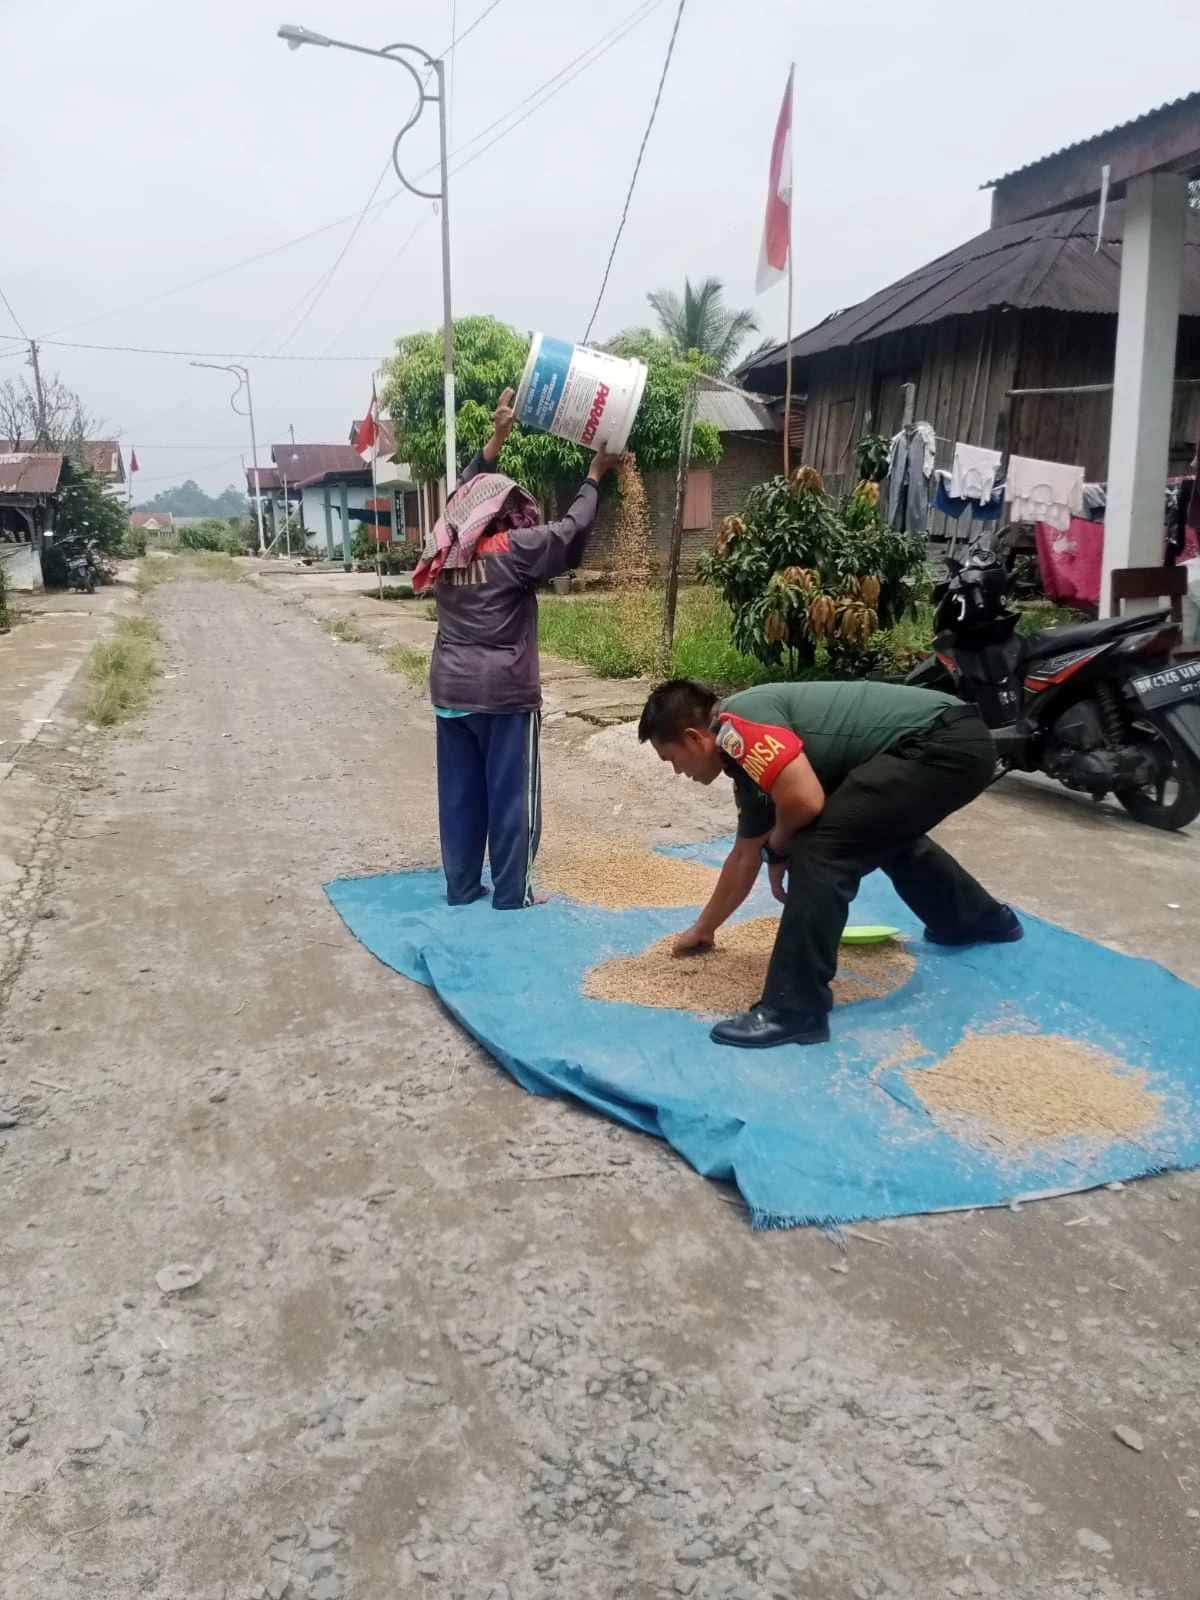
{"x":730,"y":977}
{"x":622,"y":879}
{"x":1016,"y":1090}
{"x":1006,"y":1091}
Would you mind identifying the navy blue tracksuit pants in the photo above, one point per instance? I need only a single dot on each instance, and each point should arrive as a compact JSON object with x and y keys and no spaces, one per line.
{"x":489,"y":794}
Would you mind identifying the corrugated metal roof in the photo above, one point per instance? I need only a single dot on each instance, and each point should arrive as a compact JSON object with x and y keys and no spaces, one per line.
{"x":264,"y":478}
{"x":307,"y":464}
{"x":24,"y":473}
{"x":103,"y":455}
{"x":1120,"y":127}
{"x":732,"y":410}
{"x":1049,"y":263}
{"x":152,"y":519}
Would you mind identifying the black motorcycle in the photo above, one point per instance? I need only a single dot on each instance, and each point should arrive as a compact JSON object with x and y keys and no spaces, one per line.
{"x":1100,"y":706}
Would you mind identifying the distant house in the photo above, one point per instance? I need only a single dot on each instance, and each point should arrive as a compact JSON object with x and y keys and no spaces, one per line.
{"x":102,"y":456}
{"x":329,"y":489}
{"x":152,"y":523}
{"x":28,"y":489}
{"x":1029,"y":305}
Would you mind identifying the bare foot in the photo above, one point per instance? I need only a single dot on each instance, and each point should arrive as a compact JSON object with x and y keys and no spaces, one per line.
{"x":540,"y":899}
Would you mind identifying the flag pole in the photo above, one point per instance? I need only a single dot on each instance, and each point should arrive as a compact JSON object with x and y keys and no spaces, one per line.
{"x":787,"y":400}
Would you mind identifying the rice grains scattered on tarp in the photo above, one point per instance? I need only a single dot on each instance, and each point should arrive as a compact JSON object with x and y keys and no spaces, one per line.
{"x":731,"y":976}
{"x":618,"y":879}
{"x":1030,"y":1089}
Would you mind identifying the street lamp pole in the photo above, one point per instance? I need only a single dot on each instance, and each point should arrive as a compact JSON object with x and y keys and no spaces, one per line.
{"x":242,"y":374}
{"x":296,"y":36}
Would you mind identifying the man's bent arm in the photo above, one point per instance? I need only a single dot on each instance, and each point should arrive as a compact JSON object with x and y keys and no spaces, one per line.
{"x":738,"y":877}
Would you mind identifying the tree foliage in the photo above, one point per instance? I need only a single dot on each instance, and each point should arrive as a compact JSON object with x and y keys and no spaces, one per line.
{"x":188,"y":499}
{"x":699,"y":321}
{"x":86,"y":510}
{"x":488,"y":358}
{"x":804,"y":577}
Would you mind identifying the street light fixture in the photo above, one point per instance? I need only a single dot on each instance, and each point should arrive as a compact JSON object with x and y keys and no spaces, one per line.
{"x":242,"y":374}
{"x":295,"y":37}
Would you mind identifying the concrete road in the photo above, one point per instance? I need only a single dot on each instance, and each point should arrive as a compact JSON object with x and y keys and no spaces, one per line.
{"x":447,"y":1340}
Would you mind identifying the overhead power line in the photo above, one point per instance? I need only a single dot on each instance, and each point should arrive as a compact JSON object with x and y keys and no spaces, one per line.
{"x":202,"y":355}
{"x":637,"y":167}
{"x":7,"y":304}
{"x":536,"y":100}
{"x":316,"y":294}
{"x":470,"y":28}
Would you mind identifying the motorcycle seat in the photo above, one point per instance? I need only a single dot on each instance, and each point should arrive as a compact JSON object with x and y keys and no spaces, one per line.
{"x":1086,"y":635}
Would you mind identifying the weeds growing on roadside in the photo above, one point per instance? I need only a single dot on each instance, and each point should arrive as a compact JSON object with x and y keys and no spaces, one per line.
{"x":213,"y":565}
{"x":121,"y":669}
{"x":413,"y":664}
{"x":345,"y":629}
{"x":619,"y":635}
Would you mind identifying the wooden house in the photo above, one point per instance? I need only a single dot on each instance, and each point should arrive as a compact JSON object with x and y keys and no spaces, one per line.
{"x":1026,"y":306}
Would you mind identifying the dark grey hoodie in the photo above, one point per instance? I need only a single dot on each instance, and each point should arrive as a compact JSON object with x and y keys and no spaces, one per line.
{"x":485,"y":656}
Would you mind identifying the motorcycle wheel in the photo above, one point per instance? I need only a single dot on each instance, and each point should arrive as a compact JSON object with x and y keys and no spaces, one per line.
{"x":1173,"y":799}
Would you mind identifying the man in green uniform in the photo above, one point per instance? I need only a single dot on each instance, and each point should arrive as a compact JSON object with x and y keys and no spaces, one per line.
{"x":831,"y":780}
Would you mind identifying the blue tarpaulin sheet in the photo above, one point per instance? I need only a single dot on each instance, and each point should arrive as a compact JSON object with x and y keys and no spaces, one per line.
{"x":825,"y":1134}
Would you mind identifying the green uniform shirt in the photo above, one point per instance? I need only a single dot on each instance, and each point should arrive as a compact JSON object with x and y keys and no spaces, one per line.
{"x":839,"y":725}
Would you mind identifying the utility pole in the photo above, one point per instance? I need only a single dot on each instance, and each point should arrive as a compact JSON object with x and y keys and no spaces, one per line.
{"x":297,"y":36}
{"x":447,"y":320}
{"x":242,"y":374}
{"x":41,"y":433}
{"x":681,"y":481}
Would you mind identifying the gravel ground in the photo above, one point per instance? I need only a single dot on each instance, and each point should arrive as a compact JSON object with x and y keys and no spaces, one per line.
{"x":443,"y":1339}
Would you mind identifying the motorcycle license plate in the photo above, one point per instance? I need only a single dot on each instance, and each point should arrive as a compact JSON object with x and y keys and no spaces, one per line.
{"x":1172,"y":684}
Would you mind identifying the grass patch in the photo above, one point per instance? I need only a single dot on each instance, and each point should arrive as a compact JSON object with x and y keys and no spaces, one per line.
{"x":216,"y":565}
{"x":343,"y":628}
{"x":412,"y":664}
{"x":121,"y":670}
{"x":391,"y":591}
{"x":619,"y":635}
{"x":153,"y":569}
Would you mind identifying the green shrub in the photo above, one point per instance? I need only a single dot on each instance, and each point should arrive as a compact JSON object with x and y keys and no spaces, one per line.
{"x":810,"y":582}
{"x":210,"y":534}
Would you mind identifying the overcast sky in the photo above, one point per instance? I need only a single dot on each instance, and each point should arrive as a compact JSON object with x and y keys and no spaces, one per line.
{"x":152,"y":142}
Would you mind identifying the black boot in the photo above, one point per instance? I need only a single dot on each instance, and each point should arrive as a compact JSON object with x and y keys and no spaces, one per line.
{"x":997,"y":926}
{"x":763,"y":1027}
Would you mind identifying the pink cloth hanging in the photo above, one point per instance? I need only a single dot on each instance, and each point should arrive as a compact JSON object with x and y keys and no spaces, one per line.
{"x":1071,"y":562}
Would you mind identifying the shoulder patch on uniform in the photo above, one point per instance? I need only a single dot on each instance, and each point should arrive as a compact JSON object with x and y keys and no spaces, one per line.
{"x":760,"y":750}
{"x":730,"y":740}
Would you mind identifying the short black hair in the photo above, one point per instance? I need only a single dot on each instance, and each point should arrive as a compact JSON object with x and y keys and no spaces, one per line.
{"x":673,"y":708}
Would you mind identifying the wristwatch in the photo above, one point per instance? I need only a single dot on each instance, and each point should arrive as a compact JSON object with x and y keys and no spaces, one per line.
{"x":773,"y":858}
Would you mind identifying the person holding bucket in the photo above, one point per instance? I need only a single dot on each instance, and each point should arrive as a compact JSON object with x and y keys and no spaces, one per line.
{"x":484,"y":559}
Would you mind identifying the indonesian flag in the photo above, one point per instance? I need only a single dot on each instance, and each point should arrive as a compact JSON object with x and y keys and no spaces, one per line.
{"x":365,"y":442}
{"x":133,"y":466}
{"x":777,"y":227}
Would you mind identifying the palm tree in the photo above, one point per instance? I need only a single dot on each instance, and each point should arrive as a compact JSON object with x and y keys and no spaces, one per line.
{"x":702,"y":321}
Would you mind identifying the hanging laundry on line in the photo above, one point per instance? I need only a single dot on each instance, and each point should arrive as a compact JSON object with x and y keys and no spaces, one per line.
{"x":990,"y":510}
{"x":973,"y":472}
{"x":1045,"y":491}
{"x":911,"y":457}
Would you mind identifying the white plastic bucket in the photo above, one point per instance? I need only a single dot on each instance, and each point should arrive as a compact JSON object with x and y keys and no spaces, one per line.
{"x":580,"y":394}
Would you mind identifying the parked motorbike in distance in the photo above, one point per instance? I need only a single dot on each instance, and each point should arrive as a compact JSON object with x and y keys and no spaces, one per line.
{"x":1100,"y":706}
{"x":80,"y":563}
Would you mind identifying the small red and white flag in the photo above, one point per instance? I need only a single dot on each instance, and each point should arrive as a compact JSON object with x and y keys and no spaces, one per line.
{"x":133,"y":466}
{"x":368,"y":430}
{"x":777,"y":227}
